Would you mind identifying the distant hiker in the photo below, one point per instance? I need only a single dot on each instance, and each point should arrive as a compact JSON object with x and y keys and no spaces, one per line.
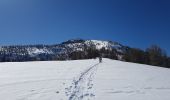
{"x":100,"y":59}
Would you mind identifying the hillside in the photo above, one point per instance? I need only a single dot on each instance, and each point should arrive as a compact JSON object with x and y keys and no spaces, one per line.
{"x":62,"y":51}
{"x":83,"y":80}
{"x":84,"y":49}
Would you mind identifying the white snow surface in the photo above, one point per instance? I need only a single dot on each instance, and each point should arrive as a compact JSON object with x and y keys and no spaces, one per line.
{"x":83,"y":80}
{"x":35,"y":51}
{"x":104,"y":44}
{"x":98,"y":44}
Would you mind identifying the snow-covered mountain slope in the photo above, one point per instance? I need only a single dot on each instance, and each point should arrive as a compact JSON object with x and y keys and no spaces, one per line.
{"x":108,"y":45}
{"x":35,"y":51}
{"x":55,"y":52}
{"x":97,"y":44}
{"x":83,"y":80}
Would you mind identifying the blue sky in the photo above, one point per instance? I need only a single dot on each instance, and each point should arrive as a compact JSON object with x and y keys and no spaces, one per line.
{"x":136,"y":23}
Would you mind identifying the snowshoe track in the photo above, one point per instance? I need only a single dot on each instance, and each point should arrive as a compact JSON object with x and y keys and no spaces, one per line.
{"x":82,"y":86}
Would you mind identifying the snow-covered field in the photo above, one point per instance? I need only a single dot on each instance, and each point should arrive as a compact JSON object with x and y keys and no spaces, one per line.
{"x":83,"y":80}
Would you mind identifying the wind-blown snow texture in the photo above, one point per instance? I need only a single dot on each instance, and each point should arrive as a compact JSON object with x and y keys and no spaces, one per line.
{"x":83,"y":80}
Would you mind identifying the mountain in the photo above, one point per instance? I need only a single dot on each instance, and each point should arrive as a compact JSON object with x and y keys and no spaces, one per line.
{"x":83,"y":80}
{"x":84,"y":49}
{"x":58,"y":51}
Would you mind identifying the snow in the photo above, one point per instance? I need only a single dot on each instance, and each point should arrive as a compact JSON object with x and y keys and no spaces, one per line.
{"x":104,"y":44}
{"x":35,"y":51}
{"x":76,"y":46}
{"x":99,"y":44}
{"x":83,"y":80}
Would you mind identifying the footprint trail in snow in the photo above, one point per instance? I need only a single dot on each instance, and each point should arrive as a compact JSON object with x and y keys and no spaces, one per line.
{"x":81,"y":87}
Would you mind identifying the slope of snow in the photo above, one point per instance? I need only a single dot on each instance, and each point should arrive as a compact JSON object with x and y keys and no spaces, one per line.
{"x":99,"y":44}
{"x":108,"y":45}
{"x":76,"y":46}
{"x":35,"y":51}
{"x":83,"y":80}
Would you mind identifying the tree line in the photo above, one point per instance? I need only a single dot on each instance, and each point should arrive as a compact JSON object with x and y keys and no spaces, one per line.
{"x":153,"y":55}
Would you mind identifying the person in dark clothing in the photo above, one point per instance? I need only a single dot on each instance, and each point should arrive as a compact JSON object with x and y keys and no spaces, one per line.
{"x":100,"y":59}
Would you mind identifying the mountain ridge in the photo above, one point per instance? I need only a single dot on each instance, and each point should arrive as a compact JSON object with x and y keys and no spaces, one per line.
{"x":66,"y":47}
{"x":74,"y":49}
